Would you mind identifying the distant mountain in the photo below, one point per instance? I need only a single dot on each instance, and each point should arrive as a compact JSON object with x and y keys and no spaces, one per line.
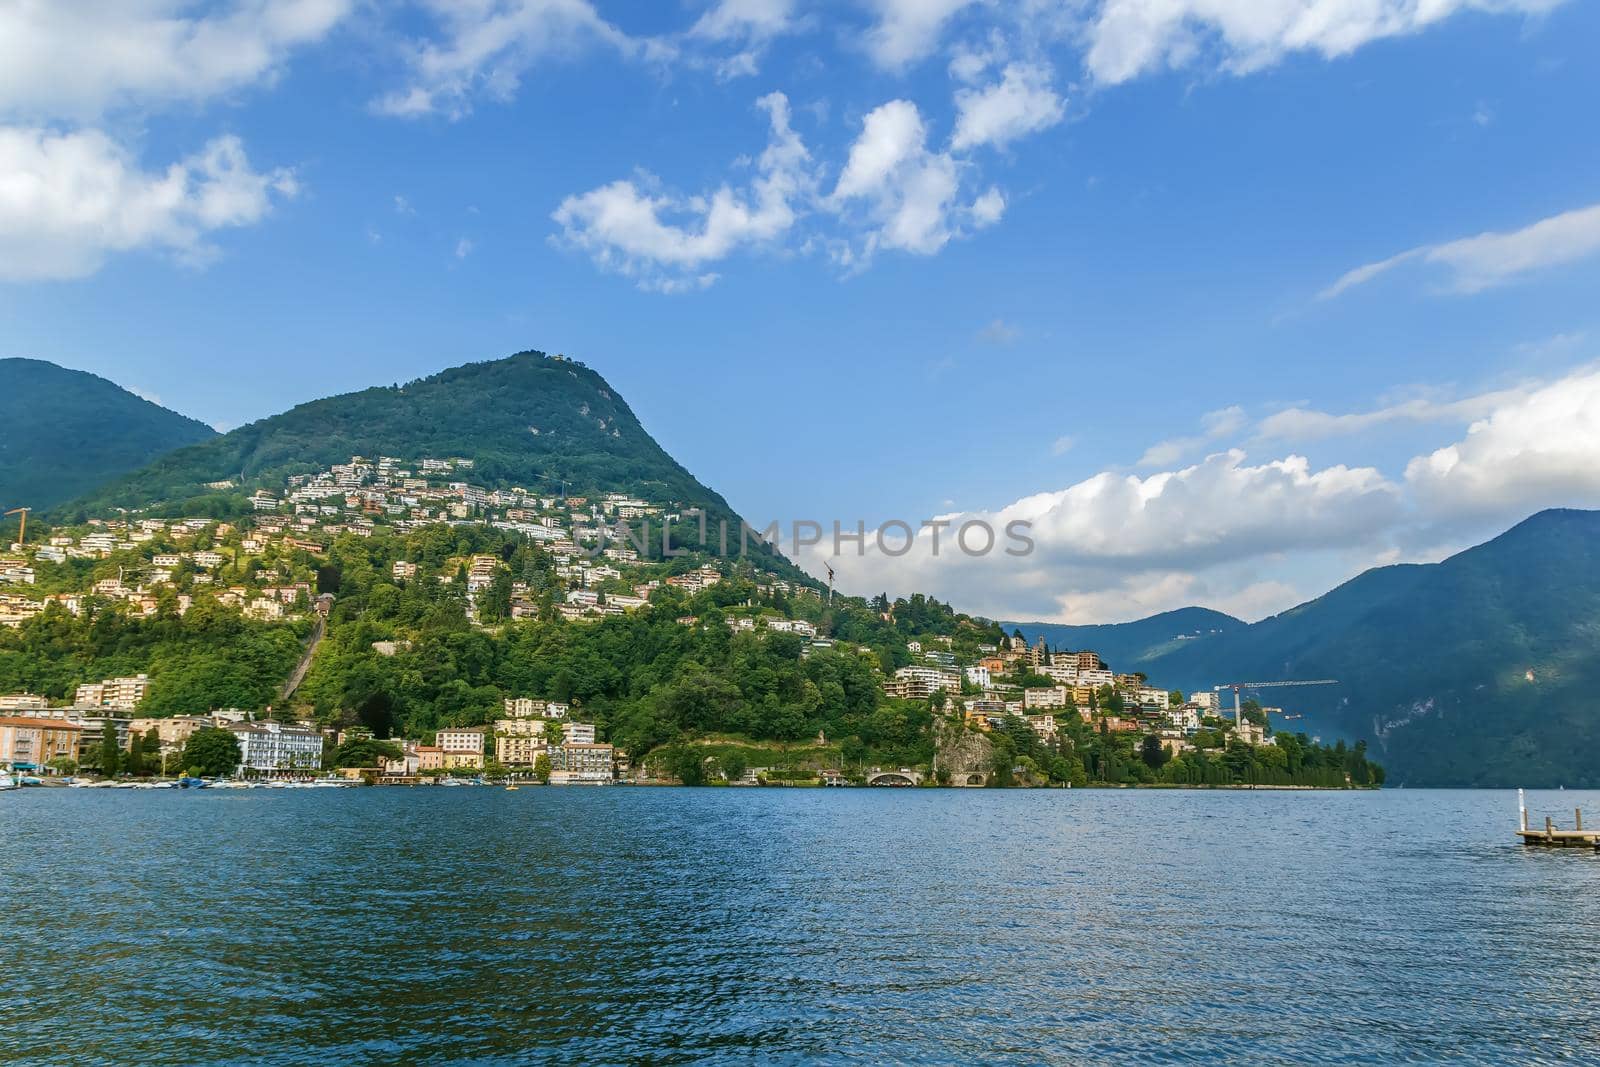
{"x":544,"y":423}
{"x":1124,"y":643}
{"x":64,"y":433}
{"x":1482,"y":670}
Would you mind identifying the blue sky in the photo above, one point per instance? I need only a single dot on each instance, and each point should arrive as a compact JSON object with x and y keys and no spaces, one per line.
{"x":873,"y":260}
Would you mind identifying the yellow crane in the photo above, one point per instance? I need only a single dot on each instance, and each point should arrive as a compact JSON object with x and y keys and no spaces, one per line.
{"x":22,"y":532}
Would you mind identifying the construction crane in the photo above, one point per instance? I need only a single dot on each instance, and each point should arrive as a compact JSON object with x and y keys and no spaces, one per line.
{"x":22,"y":532}
{"x":830,"y":582}
{"x":1238,"y":714}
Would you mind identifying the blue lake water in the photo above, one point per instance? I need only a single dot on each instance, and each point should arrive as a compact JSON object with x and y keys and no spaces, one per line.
{"x":672,"y":925}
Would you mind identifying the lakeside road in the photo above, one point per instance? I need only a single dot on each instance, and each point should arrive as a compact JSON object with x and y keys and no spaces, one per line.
{"x":865,"y":925}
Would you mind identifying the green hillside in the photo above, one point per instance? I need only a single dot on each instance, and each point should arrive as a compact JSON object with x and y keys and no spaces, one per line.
{"x":64,"y":433}
{"x":1480,"y":670}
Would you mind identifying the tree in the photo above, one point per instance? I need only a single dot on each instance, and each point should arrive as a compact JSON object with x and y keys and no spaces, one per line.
{"x":63,"y":765}
{"x":211,"y":751}
{"x":110,"y":751}
{"x":1153,"y":752}
{"x":541,"y":767}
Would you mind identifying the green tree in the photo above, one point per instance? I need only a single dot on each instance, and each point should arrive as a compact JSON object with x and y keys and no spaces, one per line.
{"x":1152,"y":751}
{"x":211,"y":751}
{"x":541,"y":767}
{"x":110,"y":751}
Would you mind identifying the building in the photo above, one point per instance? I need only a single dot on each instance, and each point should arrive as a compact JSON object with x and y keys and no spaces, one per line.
{"x":124,"y":693}
{"x":920,"y":683}
{"x":524,"y":707}
{"x":462,"y":747}
{"x":29,"y":744}
{"x":518,"y":750}
{"x":271,"y":747}
{"x":582,"y":764}
{"x":1053,"y":697}
{"x":980,"y":676}
{"x":23,"y":702}
{"x":172,"y":732}
{"x":430,"y":758}
{"x":1204,"y":700}
{"x":581,"y":733}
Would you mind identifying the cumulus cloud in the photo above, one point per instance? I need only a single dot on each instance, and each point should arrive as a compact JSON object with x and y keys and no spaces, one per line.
{"x":1127,"y":38}
{"x":1244,"y":536}
{"x":70,"y":200}
{"x":485,"y":46}
{"x":1021,"y":103}
{"x":1491,"y":259}
{"x":910,"y":194}
{"x":1535,"y":450}
{"x":1094,"y":536}
{"x":665,"y":240}
{"x":75,"y":60}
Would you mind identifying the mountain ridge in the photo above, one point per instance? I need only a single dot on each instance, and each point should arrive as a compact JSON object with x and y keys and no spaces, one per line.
{"x":64,"y":432}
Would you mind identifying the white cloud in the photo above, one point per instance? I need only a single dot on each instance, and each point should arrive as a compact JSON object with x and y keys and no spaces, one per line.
{"x":487,"y":45}
{"x":1022,"y":102}
{"x":1307,"y":424}
{"x":1214,"y":426}
{"x":910,"y":194}
{"x":69,"y":200}
{"x":1535,"y":450}
{"x":749,"y":26}
{"x":1491,"y":259}
{"x":1127,"y":38}
{"x":908,"y":30}
{"x":664,"y":240}
{"x":1062,"y":445}
{"x":463,"y":248}
{"x":70,"y":59}
{"x":1093,"y":537}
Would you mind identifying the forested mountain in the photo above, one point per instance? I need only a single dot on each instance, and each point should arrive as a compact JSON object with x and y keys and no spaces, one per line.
{"x":541,"y":422}
{"x":64,"y":433}
{"x":1481,"y":670}
{"x":1130,"y":642}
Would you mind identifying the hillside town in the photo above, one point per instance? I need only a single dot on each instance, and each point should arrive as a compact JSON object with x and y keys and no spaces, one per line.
{"x":581,"y":560}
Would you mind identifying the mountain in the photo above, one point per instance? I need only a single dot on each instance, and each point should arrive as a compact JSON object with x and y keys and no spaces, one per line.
{"x":64,"y":433}
{"x":544,"y":423}
{"x":1480,"y":670}
{"x":1130,"y":642}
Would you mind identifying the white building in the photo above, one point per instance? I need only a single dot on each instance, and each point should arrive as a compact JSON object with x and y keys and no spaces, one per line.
{"x":268,"y":747}
{"x":980,"y":677}
{"x":578,"y":733}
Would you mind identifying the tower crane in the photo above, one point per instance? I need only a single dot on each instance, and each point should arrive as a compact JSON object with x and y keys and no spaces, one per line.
{"x":1238,"y":714}
{"x":22,"y":532}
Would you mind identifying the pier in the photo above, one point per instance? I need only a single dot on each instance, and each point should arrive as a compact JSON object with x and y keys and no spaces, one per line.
{"x":1550,"y":837}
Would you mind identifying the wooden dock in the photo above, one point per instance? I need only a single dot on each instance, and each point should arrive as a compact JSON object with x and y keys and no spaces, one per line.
{"x":1550,"y":837}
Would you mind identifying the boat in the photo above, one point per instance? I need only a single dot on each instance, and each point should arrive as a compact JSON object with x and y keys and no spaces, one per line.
{"x":8,"y":780}
{"x":513,"y":787}
{"x":193,"y":783}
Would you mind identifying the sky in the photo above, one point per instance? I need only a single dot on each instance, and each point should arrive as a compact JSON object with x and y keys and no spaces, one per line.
{"x":1229,"y":300}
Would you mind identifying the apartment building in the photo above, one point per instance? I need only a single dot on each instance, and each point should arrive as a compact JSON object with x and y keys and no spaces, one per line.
{"x":271,"y":747}
{"x":123,"y":693}
{"x":29,"y":744}
{"x":462,"y":747}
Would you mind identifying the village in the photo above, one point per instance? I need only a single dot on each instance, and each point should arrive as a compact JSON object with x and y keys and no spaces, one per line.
{"x":265,"y":565}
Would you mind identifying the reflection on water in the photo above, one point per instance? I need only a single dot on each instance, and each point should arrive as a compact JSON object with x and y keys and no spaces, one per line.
{"x":891,"y":925}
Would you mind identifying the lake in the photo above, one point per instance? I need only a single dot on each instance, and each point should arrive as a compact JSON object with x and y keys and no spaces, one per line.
{"x":677,"y":925}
